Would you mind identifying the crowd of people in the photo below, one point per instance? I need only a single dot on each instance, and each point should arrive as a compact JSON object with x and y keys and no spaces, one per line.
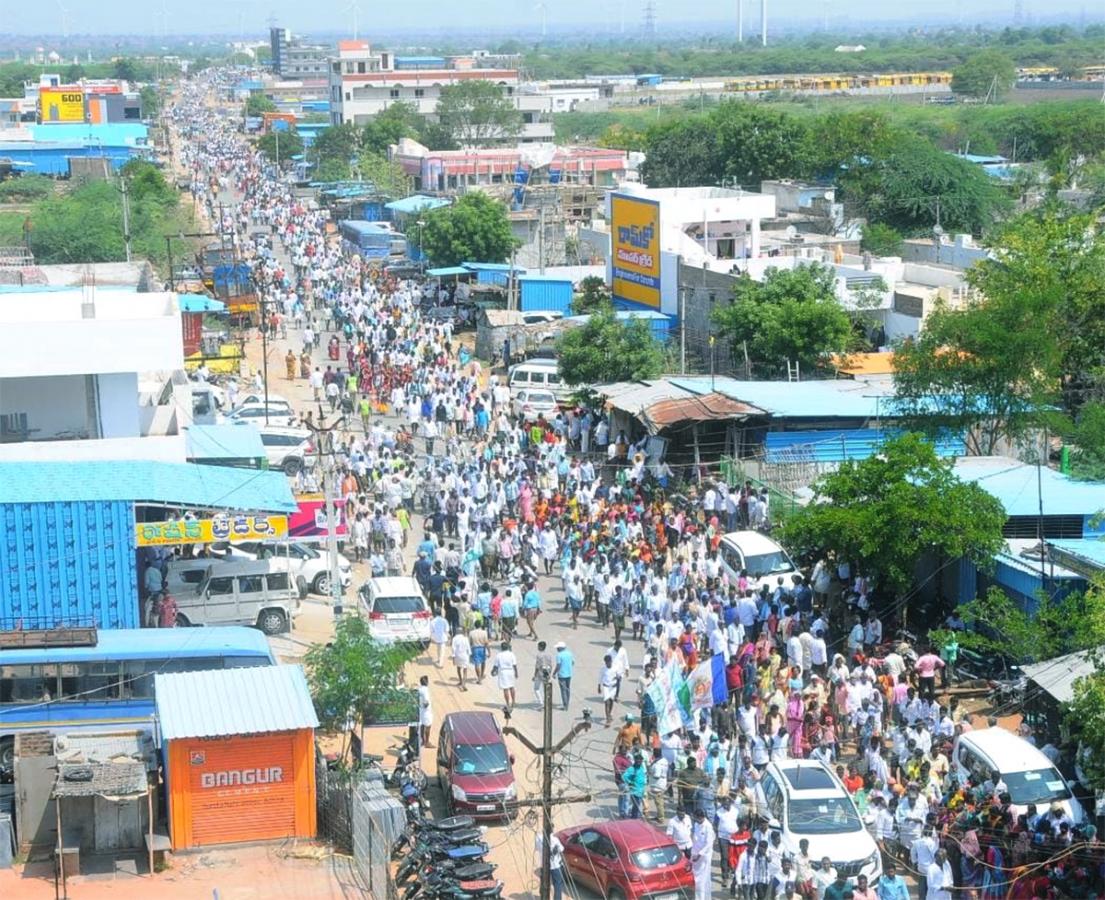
{"x":505,"y":502}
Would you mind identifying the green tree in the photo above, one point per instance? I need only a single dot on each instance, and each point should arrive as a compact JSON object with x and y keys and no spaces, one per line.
{"x":331,"y":169}
{"x":887,"y":511}
{"x":475,"y":228}
{"x":916,"y":187}
{"x":337,"y":145}
{"x":280,"y":144}
{"x":1085,"y":718}
{"x":354,"y":672}
{"x":386,"y":175}
{"x":996,"y":623}
{"x":881,"y":240}
{"x":682,"y":154}
{"x":592,"y":296}
{"x":258,"y":104}
{"x":389,"y":126}
{"x":150,"y":100}
{"x":757,"y":143}
{"x":792,"y":315}
{"x":838,"y":140}
{"x":477,"y":112}
{"x":989,"y":73}
{"x":606,"y":349}
{"x":125,"y":69}
{"x":435,"y":136}
{"x":25,"y":188}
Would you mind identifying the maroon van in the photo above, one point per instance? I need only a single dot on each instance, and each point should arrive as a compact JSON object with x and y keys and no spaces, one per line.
{"x":474,"y":767}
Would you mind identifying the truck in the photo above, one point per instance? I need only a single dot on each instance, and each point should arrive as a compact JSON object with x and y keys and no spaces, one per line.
{"x":231,"y":281}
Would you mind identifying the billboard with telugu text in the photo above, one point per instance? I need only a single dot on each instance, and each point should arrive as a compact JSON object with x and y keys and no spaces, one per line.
{"x":61,"y":105}
{"x":635,"y":250}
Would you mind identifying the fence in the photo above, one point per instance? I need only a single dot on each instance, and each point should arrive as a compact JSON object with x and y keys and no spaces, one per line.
{"x":378,"y":818}
{"x":334,"y":803}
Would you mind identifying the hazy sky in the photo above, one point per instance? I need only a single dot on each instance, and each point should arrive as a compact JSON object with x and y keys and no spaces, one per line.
{"x":154,"y":17}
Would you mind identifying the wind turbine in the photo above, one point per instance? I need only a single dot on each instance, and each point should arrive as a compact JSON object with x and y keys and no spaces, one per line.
{"x":354,"y":7}
{"x":542,"y":8}
{"x":65,"y":20}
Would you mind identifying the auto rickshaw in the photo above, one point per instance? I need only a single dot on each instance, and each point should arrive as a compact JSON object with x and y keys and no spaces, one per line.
{"x":333,"y":348}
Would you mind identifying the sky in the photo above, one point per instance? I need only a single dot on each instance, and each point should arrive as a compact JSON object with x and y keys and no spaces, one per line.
{"x":249,"y":17}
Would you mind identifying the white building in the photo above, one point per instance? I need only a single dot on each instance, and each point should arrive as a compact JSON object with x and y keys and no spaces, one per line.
{"x":92,"y":374}
{"x":365,"y":82}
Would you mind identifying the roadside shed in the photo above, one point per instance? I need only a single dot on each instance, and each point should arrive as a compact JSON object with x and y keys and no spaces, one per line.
{"x":239,"y":756}
{"x":1052,"y":684}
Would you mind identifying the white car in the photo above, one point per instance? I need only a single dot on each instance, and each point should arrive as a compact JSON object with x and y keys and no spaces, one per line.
{"x":808,"y":801}
{"x":252,"y":396}
{"x":530,"y":405}
{"x":290,"y":449}
{"x":278,"y":414}
{"x":301,"y":560}
{"x":759,"y":556}
{"x":397,"y":611}
{"x":540,"y":317}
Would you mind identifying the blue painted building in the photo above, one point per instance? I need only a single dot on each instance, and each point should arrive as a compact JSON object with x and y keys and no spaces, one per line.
{"x":548,"y":293}
{"x":68,"y":552}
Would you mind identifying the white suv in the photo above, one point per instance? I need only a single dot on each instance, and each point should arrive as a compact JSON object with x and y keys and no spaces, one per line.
{"x":758,"y":555}
{"x":301,"y":561}
{"x":278,"y":414}
{"x":290,"y":449}
{"x":806,"y":800}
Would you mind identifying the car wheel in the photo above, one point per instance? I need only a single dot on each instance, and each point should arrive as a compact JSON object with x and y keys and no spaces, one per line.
{"x":7,"y":755}
{"x":321,"y":584}
{"x":292,"y":465}
{"x":272,"y":621}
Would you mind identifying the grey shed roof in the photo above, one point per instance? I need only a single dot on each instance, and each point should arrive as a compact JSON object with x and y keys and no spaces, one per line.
{"x":122,"y":779}
{"x":224,"y":702}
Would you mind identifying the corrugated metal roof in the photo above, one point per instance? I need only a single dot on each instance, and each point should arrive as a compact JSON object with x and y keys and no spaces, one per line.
{"x":841,"y":399}
{"x":241,"y":441}
{"x":634,"y":397}
{"x":151,"y":643}
{"x":709,"y":407}
{"x":195,"y":303}
{"x":415,"y":203}
{"x":1014,"y":484}
{"x":1057,"y":676}
{"x":1087,"y":554}
{"x":443,"y":271}
{"x":837,"y":445}
{"x":233,"y":701}
{"x":139,"y":481}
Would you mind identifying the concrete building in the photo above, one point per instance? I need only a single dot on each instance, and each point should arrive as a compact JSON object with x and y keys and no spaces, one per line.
{"x":106,"y":387}
{"x":365,"y":82}
{"x":293,"y":58}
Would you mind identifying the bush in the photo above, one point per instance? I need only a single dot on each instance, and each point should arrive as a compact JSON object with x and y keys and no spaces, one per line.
{"x":27,"y":187}
{"x":881,"y":240}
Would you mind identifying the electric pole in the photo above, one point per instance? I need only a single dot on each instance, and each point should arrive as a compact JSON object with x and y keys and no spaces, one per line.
{"x":546,"y":751}
{"x":324,"y":448}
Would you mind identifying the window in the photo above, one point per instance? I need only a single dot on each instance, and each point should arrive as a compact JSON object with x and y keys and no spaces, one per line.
{"x":222,"y":585}
{"x":768,"y":564}
{"x":830,"y":815}
{"x":482,"y":759}
{"x":389,"y":606}
{"x":251,"y":584}
{"x":278,"y":581}
{"x":773,"y":798}
{"x":419,"y":92}
{"x":1036,"y":786}
{"x":394,"y":93}
{"x":657,"y":857}
{"x":553,"y":378}
{"x":28,"y":684}
{"x":97,"y":680}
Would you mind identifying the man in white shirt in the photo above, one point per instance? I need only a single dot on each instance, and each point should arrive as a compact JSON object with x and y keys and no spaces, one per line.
{"x":439,"y":636}
{"x":679,"y":830}
{"x":702,"y":852}
{"x":939,"y":883}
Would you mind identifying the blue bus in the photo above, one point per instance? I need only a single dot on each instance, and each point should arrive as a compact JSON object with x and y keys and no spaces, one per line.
{"x":62,"y":689}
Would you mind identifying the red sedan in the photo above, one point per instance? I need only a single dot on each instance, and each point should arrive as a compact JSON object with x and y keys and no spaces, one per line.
{"x":629,"y":859}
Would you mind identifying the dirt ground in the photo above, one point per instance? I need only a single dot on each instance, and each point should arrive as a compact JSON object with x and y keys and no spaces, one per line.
{"x":294,"y":870}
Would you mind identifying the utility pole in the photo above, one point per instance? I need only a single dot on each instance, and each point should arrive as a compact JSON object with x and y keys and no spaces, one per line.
{"x":324,"y":447}
{"x":546,"y":751}
{"x":683,"y":331}
{"x":541,"y":239}
{"x":126,"y":215}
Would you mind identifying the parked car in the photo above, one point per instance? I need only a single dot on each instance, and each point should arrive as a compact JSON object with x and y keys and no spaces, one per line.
{"x":757,"y":554}
{"x":529,"y":405}
{"x":539,"y":374}
{"x":474,"y":768}
{"x":396,"y":609}
{"x":807,"y":800}
{"x":310,"y":567}
{"x":254,"y":396}
{"x":290,"y":449}
{"x":1027,"y":773}
{"x":627,"y":860}
{"x":245,"y":593}
{"x":539,"y":317}
{"x":278,"y":414}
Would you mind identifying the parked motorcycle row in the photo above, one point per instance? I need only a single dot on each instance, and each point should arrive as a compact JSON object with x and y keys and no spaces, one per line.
{"x":443,"y":859}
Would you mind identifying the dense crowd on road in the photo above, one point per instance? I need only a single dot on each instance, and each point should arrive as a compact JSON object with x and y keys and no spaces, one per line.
{"x":810,"y":672}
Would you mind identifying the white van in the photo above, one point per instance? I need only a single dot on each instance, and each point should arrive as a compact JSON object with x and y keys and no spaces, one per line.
{"x":1029,"y":775}
{"x":541,"y":374}
{"x":758,"y":555}
{"x":397,"y":611}
{"x":246,"y":593}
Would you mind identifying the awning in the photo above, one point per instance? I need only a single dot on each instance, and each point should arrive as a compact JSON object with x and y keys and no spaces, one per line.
{"x":707,"y":408}
{"x":415,"y":203}
{"x":447,"y":271}
{"x":1056,"y":677}
{"x":199,"y":303}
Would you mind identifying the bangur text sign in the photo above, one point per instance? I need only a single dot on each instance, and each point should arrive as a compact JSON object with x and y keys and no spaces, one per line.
{"x":635,"y":239}
{"x":62,"y":105}
{"x":210,"y":531}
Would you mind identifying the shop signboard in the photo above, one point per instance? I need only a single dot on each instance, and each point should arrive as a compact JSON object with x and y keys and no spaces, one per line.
{"x":210,"y":531}
{"x":635,"y":236}
{"x":309,"y":523}
{"x":61,"y":104}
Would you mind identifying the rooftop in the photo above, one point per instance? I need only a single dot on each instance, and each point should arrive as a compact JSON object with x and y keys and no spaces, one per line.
{"x":146,"y":643}
{"x":1014,"y":484}
{"x":838,"y":399}
{"x":226,"y":702}
{"x":1086,"y":556}
{"x":1057,"y":676}
{"x":241,"y":441}
{"x":142,"y":481}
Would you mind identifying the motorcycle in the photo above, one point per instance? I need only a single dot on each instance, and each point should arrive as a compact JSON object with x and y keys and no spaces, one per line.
{"x":440,"y":887}
{"x":421,"y":856}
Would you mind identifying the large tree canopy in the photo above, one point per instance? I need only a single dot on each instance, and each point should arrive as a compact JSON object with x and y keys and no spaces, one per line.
{"x":884,"y":512}
{"x":477,"y":112}
{"x":606,"y":349}
{"x":986,"y":74}
{"x":475,"y":227}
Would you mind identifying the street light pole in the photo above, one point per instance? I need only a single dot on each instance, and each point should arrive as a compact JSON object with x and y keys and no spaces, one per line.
{"x":546,"y":751}
{"x":421,"y":256}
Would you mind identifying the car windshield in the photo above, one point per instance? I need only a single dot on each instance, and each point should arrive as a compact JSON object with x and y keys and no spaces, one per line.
{"x":390,"y":606}
{"x":482,"y":759}
{"x":657,"y":857}
{"x":538,"y":397}
{"x":830,"y":815}
{"x":1035,"y":786}
{"x":767,"y":564}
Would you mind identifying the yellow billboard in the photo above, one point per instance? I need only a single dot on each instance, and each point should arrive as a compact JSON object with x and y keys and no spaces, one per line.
{"x":635,"y":236}
{"x":61,"y":105}
{"x":210,"y":531}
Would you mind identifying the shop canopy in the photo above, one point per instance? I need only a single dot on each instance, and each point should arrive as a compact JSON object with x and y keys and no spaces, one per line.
{"x":146,"y":482}
{"x":415,"y":203}
{"x":447,"y":271}
{"x":200,"y":303}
